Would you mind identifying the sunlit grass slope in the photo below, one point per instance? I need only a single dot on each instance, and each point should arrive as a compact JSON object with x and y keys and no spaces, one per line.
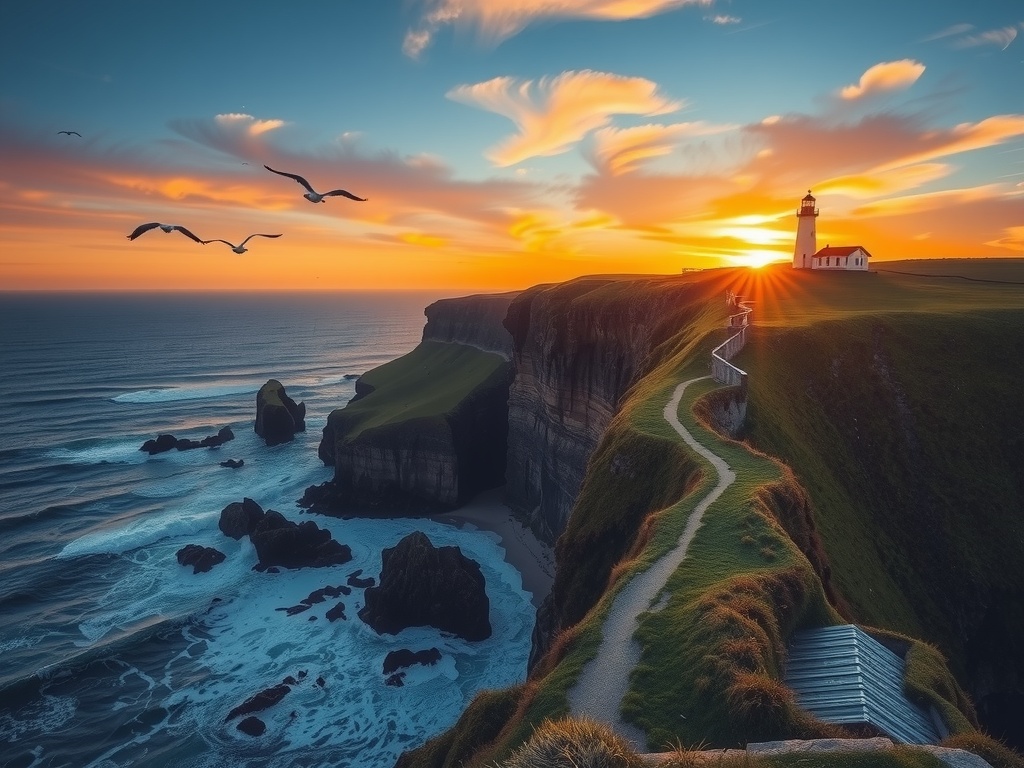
{"x":426,"y":383}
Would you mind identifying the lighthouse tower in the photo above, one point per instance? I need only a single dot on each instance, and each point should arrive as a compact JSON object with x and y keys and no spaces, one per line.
{"x":806,"y":238}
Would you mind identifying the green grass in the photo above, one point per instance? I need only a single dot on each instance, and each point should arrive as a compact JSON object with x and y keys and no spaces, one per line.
{"x":918,"y":495}
{"x":428,"y":382}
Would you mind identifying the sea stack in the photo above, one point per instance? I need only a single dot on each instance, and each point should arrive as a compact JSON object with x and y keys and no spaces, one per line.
{"x":278,"y":417}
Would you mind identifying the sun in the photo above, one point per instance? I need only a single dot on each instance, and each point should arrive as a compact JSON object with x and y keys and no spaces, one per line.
{"x":756,"y":258}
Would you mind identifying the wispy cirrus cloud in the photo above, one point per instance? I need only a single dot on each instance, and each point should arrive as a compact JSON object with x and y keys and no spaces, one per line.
{"x":621,"y":150}
{"x":723,"y":19}
{"x":1001,"y":38}
{"x":554,"y":113}
{"x":497,"y":21}
{"x":886,"y":76}
{"x":950,"y":31}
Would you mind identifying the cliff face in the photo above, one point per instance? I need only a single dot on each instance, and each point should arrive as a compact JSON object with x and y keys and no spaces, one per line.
{"x":578,"y":347}
{"x":426,"y":431}
{"x":472,"y":320}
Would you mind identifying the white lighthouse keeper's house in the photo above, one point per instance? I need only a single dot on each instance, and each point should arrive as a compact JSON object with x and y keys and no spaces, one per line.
{"x":852,"y":258}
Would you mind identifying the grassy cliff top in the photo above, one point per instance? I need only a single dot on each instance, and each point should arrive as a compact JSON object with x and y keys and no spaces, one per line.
{"x":429,"y":381}
{"x":786,"y":297}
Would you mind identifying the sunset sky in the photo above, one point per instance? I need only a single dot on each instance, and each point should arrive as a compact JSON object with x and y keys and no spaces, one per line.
{"x":500,"y":144}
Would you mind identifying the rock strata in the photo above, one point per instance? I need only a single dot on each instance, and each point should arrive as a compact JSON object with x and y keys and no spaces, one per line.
{"x":167,"y":442}
{"x":423,"y":585}
{"x":278,"y":417}
{"x":202,"y":559}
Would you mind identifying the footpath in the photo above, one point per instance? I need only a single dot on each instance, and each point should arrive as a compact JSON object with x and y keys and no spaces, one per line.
{"x":602,"y":684}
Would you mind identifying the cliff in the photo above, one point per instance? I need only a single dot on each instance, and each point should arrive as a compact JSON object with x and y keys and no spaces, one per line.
{"x":578,"y":347}
{"x":426,"y":431}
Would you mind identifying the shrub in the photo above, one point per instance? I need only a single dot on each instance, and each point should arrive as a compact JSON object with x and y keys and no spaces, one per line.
{"x":573,"y":743}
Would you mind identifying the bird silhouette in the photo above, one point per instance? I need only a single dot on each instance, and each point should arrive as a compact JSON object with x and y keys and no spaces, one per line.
{"x":70,"y":133}
{"x":312,"y":195}
{"x":143,"y":228}
{"x":240,"y":248}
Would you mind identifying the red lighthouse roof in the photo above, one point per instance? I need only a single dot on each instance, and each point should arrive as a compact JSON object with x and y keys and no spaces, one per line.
{"x":809,"y":196}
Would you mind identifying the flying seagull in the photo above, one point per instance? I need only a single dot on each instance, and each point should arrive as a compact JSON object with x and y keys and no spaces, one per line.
{"x":143,"y":228}
{"x":239,"y":249}
{"x":312,"y":195}
{"x":70,"y":133}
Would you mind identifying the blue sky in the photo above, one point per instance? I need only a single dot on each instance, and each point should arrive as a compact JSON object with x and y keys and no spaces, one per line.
{"x":524,"y":103}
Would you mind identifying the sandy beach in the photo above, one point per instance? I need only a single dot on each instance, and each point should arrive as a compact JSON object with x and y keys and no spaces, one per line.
{"x":533,"y":559}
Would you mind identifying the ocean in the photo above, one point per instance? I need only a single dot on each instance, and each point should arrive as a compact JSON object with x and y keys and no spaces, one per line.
{"x":113,"y":654}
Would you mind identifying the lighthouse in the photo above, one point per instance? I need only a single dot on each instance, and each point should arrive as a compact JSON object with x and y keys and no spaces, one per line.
{"x":806,"y":238}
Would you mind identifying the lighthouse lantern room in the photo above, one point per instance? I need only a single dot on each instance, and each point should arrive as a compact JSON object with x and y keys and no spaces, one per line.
{"x":806,"y":237}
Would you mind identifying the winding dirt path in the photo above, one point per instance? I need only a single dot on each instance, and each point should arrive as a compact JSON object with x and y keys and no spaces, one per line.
{"x":603,"y":682}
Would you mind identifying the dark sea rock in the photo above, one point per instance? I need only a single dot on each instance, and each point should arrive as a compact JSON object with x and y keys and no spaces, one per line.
{"x":406,"y":658}
{"x":360,"y":583}
{"x":278,"y":417}
{"x":159,"y":445}
{"x":239,"y":518}
{"x":319,"y":595}
{"x":281,"y":542}
{"x":252,"y":726}
{"x":166,"y":442}
{"x":337,"y":612}
{"x":424,"y":585}
{"x":200,"y":558}
{"x":262,"y":700}
{"x":233,"y":463}
{"x":395,"y":680}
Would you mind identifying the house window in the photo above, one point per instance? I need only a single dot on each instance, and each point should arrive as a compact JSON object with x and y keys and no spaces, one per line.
{"x":826,"y":260}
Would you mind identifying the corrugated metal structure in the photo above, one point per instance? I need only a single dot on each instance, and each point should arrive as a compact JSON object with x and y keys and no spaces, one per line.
{"x":842,"y":675}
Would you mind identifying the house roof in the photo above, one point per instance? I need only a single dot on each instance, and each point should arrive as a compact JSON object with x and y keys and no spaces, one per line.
{"x":842,"y":250}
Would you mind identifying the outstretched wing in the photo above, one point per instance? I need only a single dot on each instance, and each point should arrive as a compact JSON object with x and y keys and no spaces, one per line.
{"x":258,"y":234}
{"x":143,"y":228}
{"x":343,"y":193}
{"x":218,"y":240}
{"x":295,"y":176}
{"x":186,"y":233}
{"x":70,"y":133}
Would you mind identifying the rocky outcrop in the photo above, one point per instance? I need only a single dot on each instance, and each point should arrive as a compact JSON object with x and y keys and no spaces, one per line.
{"x":405,"y":658}
{"x":278,"y":417}
{"x":233,"y":463}
{"x":280,"y":542}
{"x":424,"y":585}
{"x":239,"y":518}
{"x":577,"y":350}
{"x":202,"y":559}
{"x":448,"y":448}
{"x":167,"y":442}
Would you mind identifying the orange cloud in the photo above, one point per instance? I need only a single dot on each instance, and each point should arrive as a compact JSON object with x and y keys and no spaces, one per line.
{"x":418,"y":238}
{"x":964,"y":138}
{"x":929,"y":201}
{"x":884,"y":182}
{"x":887,"y":76}
{"x":497,"y":21}
{"x":621,"y":150}
{"x":1013,"y":238}
{"x":554,"y":113}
